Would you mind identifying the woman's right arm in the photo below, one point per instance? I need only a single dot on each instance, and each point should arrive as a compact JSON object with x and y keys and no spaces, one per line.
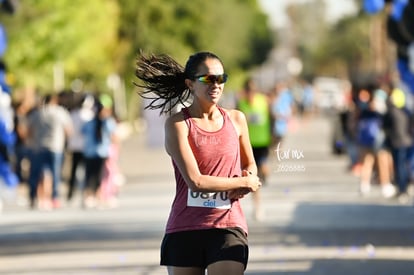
{"x":178,"y":147}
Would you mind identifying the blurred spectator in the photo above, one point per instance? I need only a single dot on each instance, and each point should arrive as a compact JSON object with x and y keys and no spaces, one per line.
{"x":99,"y":135}
{"x":348,"y":118}
{"x":371,"y":139}
{"x":306,"y":103}
{"x":8,"y":179}
{"x":398,"y":124}
{"x":282,"y":107}
{"x":48,"y":127}
{"x":112,"y":178}
{"x":80,"y":115}
{"x":255,"y":105}
{"x":21,"y":150}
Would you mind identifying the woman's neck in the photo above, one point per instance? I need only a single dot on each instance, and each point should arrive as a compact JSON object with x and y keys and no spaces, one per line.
{"x":198,"y":111}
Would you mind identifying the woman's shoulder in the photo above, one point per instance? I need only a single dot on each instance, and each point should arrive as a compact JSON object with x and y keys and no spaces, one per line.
{"x":175,"y":120}
{"x":237,"y":118}
{"x":234,"y":114}
{"x":175,"y":126}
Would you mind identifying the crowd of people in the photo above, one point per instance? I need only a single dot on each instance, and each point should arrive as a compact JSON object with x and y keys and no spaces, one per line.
{"x":219,"y":155}
{"x":378,"y":131}
{"x":52,"y":131}
{"x":376,"y":122}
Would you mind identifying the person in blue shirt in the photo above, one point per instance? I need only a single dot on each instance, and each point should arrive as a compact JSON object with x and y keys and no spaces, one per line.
{"x":99,"y":134}
{"x":282,"y":110}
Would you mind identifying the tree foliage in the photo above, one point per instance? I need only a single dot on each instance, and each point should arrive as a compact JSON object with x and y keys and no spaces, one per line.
{"x":235,"y":30}
{"x":345,"y":48}
{"x":95,"y":38}
{"x":81,"y":35}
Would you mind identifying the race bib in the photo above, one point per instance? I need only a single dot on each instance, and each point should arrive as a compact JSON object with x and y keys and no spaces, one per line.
{"x":210,"y":200}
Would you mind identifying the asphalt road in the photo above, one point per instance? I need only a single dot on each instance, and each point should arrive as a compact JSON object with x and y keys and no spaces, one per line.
{"x":315,"y":221}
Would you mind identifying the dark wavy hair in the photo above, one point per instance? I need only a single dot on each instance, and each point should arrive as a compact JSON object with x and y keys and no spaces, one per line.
{"x":163,"y":79}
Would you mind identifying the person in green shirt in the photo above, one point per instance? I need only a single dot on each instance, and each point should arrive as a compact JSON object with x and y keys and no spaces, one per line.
{"x":255,"y":106}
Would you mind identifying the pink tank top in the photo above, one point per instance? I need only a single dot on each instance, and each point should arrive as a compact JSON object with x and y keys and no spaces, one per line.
{"x":217,"y":154}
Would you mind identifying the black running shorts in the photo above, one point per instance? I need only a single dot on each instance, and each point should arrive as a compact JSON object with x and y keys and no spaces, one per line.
{"x":200,"y":248}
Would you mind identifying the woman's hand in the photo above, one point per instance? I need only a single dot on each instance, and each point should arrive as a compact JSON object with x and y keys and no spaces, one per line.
{"x":253,"y":180}
{"x":253,"y":183}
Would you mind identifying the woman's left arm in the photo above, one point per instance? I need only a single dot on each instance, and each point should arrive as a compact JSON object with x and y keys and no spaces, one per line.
{"x":246,"y":152}
{"x":248,"y":164}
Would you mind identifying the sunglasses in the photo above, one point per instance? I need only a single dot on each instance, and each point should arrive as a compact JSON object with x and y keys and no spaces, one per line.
{"x":212,"y":78}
